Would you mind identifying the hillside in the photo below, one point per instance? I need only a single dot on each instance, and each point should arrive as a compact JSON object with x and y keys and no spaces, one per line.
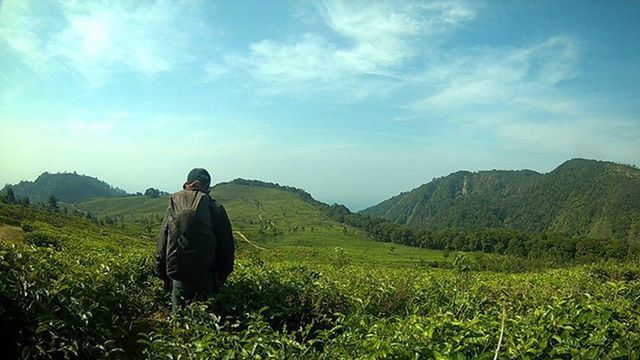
{"x":285,"y":221}
{"x":73,"y":288}
{"x":67,"y":187}
{"x":586,"y":197}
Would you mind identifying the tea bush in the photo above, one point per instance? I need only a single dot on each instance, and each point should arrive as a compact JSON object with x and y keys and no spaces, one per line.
{"x":284,"y":311}
{"x":74,"y":289}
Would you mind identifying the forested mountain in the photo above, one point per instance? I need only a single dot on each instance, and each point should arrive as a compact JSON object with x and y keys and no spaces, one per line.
{"x":586,"y":197}
{"x":67,"y":187}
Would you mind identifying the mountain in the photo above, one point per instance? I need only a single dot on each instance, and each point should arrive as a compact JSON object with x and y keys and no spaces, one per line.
{"x":66,"y":187}
{"x":285,"y":220}
{"x":586,"y":197}
{"x":238,"y":192}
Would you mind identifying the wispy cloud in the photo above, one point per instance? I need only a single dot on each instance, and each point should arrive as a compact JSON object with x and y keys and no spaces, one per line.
{"x":513,"y":94}
{"x":339,"y":87}
{"x":365,"y":43}
{"x":517,"y":98}
{"x":99,"y":39}
{"x":23,"y":31}
{"x":497,"y":76}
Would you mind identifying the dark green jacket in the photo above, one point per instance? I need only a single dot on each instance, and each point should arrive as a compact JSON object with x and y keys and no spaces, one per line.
{"x":211,"y":247}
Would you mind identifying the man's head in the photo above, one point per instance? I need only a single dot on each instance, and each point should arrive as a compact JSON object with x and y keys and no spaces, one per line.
{"x":198,"y":179}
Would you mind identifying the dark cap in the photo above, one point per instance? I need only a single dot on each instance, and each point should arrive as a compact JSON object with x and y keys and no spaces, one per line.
{"x":199,"y":174}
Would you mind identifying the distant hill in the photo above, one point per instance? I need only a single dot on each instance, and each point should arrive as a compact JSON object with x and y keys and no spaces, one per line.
{"x":66,"y":187}
{"x":244,"y":200}
{"x":284,"y":219}
{"x":258,"y":183}
{"x":586,"y":197}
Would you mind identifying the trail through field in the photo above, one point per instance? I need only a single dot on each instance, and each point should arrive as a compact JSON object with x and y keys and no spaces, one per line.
{"x":249,"y":241}
{"x":10,"y":233}
{"x":262,"y":212}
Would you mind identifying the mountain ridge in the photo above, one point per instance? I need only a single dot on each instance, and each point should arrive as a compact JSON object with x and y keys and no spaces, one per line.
{"x":68,"y":187}
{"x":580,"y":196}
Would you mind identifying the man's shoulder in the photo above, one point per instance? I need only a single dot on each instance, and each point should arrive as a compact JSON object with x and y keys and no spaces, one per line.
{"x":187,"y":198}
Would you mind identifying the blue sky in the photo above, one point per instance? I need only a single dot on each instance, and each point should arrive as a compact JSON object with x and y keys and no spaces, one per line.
{"x":352,"y":101}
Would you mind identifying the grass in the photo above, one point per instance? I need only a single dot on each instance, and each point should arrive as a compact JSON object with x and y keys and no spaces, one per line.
{"x":326,"y":245}
{"x":78,"y":289}
{"x":128,"y":208}
{"x":10,"y":233}
{"x":288,"y":227}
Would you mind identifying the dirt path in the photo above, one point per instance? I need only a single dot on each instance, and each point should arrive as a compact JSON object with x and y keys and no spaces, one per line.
{"x":261,"y":211}
{"x":249,"y":241}
{"x":10,"y":233}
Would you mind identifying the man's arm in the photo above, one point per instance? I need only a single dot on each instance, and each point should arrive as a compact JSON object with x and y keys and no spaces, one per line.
{"x":225,"y":247}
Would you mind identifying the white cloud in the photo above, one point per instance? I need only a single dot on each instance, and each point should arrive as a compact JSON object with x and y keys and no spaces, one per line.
{"x":387,"y":33}
{"x":490,"y":76}
{"x":23,"y":32}
{"x":99,"y":39}
{"x":514,"y":100}
{"x":368,"y":43}
{"x":379,"y":33}
{"x":312,"y":57}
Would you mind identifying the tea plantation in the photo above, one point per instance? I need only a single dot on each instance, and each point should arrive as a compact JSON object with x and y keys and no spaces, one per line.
{"x":311,"y":289}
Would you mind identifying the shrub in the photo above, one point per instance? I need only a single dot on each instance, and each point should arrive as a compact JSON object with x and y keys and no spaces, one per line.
{"x":38,"y":238}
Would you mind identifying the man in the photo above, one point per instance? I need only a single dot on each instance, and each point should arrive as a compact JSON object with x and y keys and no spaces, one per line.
{"x":195,"y":250}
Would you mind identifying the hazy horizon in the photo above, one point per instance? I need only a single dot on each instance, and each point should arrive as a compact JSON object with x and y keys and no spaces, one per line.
{"x":351,"y":101}
{"x":352,"y":206}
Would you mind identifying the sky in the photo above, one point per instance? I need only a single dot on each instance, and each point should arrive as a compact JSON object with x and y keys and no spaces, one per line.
{"x":353,"y":101}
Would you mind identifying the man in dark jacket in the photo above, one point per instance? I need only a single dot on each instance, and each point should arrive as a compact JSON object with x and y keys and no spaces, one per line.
{"x":195,"y":263}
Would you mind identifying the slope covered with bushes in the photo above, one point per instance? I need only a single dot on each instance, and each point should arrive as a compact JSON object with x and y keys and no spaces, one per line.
{"x":581,"y":197}
{"x":71,"y":288}
{"x":67,"y":187}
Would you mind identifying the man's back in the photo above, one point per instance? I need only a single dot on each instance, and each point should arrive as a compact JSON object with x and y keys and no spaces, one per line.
{"x":195,"y":249}
{"x":189,"y":236}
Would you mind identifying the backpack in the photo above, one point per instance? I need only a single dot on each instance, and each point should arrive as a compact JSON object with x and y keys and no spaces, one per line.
{"x":187,"y":255}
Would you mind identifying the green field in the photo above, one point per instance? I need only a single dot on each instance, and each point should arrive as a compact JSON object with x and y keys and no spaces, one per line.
{"x":71,"y":287}
{"x":283,"y":225}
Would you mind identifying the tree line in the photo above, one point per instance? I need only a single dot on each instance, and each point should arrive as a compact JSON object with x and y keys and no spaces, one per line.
{"x":539,"y":247}
{"x":546,"y":246}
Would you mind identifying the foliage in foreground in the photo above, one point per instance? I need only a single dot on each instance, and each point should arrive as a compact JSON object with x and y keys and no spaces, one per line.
{"x":72,"y":289}
{"x":286,"y":311}
{"x":77,"y":290}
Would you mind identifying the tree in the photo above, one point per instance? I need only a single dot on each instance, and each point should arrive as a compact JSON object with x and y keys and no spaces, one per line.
{"x":9,"y":196}
{"x":151,"y":192}
{"x":53,"y":204}
{"x":24,"y":201}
